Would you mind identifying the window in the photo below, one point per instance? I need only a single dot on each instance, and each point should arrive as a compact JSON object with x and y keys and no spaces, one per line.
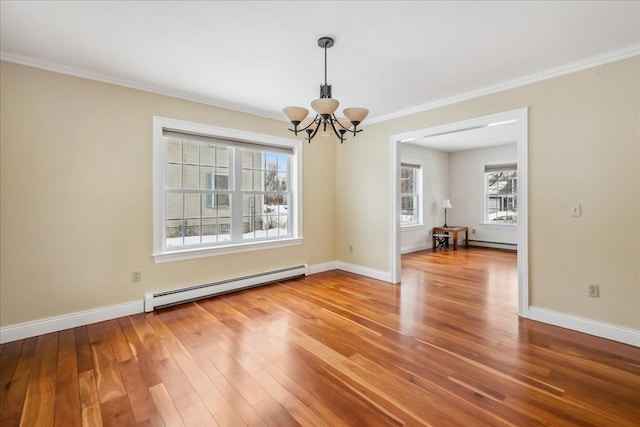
{"x":219,"y":191}
{"x":410,"y":194}
{"x":501,"y":194}
{"x":217,"y":182}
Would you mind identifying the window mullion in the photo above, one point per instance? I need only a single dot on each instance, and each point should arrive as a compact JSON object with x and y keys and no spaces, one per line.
{"x":236,"y":195}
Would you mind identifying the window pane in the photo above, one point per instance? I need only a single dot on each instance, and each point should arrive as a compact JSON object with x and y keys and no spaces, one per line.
{"x":257,"y":181}
{"x":209,"y":230}
{"x":174,"y":176}
{"x":174,"y":151}
{"x":192,"y":232}
{"x":282,"y":181}
{"x":222,"y":179}
{"x":207,"y":154}
{"x":174,"y":233}
{"x":175,"y":205}
{"x":192,"y":205}
{"x":247,"y":180}
{"x":191,"y":152}
{"x":501,"y":196}
{"x":191,"y":177}
{"x":206,"y":180}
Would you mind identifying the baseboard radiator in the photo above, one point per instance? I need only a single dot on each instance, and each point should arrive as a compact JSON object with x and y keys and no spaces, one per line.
{"x":193,"y":293}
{"x":495,"y":245}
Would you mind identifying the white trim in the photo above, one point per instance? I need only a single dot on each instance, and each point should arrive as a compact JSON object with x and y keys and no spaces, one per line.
{"x":587,"y":326}
{"x":162,"y":254}
{"x":594,"y":61}
{"x":415,"y":248}
{"x":82,"y":318}
{"x":73,"y":320}
{"x":521,"y":115}
{"x":321,"y":268}
{"x":84,"y":74}
{"x":182,"y":255}
{"x":364,"y":271}
{"x":67,"y":321}
{"x":394,"y":205}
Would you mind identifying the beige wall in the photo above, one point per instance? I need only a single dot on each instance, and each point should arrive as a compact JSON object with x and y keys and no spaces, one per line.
{"x":76,"y":214}
{"x":584,"y":147}
{"x":76,"y":196}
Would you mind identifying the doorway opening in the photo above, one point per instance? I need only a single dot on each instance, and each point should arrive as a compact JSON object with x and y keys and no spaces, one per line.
{"x":519,"y":119}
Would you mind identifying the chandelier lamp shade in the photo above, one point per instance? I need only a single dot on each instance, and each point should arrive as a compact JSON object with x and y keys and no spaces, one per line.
{"x":325,"y":121}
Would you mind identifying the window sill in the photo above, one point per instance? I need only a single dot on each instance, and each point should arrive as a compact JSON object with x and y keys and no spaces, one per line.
{"x":493,"y":224}
{"x":185,"y":254}
{"x":412,"y":227}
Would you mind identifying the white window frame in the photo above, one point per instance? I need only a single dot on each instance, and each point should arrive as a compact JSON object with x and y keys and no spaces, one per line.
{"x":485,"y":216}
{"x":161,"y":253}
{"x":419,"y":194}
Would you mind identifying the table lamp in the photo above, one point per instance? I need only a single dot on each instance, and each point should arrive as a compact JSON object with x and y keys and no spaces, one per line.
{"x":446,"y":204}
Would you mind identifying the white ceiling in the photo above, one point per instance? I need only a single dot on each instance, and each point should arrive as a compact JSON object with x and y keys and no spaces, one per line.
{"x":391,"y":57}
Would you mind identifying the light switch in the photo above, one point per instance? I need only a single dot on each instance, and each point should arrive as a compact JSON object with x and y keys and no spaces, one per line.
{"x":575,"y":209}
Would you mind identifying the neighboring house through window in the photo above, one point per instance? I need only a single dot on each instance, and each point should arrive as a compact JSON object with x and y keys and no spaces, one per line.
{"x":410,"y":197}
{"x":501,"y":194}
{"x":218,"y":190}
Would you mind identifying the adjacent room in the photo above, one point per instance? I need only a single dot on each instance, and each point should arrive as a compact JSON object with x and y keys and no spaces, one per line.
{"x":318,"y":213}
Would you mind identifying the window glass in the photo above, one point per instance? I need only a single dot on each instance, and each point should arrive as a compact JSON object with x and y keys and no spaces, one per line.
{"x":501,"y":195}
{"x":409,"y":194}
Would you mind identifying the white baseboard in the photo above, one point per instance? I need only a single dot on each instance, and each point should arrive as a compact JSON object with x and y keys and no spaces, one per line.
{"x":364,"y":271}
{"x":72,"y":320}
{"x":321,"y":268}
{"x":415,"y":248}
{"x":588,"y":326}
{"x":66,"y":321}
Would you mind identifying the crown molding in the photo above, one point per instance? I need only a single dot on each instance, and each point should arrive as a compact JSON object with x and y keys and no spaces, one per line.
{"x":78,"y":72}
{"x":593,"y":61}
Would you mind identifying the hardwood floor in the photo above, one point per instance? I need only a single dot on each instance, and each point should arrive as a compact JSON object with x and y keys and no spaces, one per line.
{"x":333,"y":349}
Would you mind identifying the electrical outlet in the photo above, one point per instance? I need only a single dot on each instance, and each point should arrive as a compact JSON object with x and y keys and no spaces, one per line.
{"x":575,"y":209}
{"x":136,"y":276}
{"x":473,"y":231}
{"x":594,"y":291}
{"x":350,"y":249}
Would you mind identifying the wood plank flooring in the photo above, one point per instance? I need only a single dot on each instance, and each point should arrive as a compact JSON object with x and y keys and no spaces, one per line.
{"x":444,"y":348}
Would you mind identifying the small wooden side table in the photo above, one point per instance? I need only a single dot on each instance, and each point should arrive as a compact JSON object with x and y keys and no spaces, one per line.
{"x":453,"y":230}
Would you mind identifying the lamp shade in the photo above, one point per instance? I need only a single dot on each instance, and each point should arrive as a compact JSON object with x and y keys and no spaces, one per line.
{"x":446,"y":203}
{"x":325,"y":105}
{"x":295,"y":114}
{"x":356,"y":115}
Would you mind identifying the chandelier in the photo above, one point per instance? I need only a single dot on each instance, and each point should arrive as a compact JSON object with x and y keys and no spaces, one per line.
{"x":325,"y":107}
